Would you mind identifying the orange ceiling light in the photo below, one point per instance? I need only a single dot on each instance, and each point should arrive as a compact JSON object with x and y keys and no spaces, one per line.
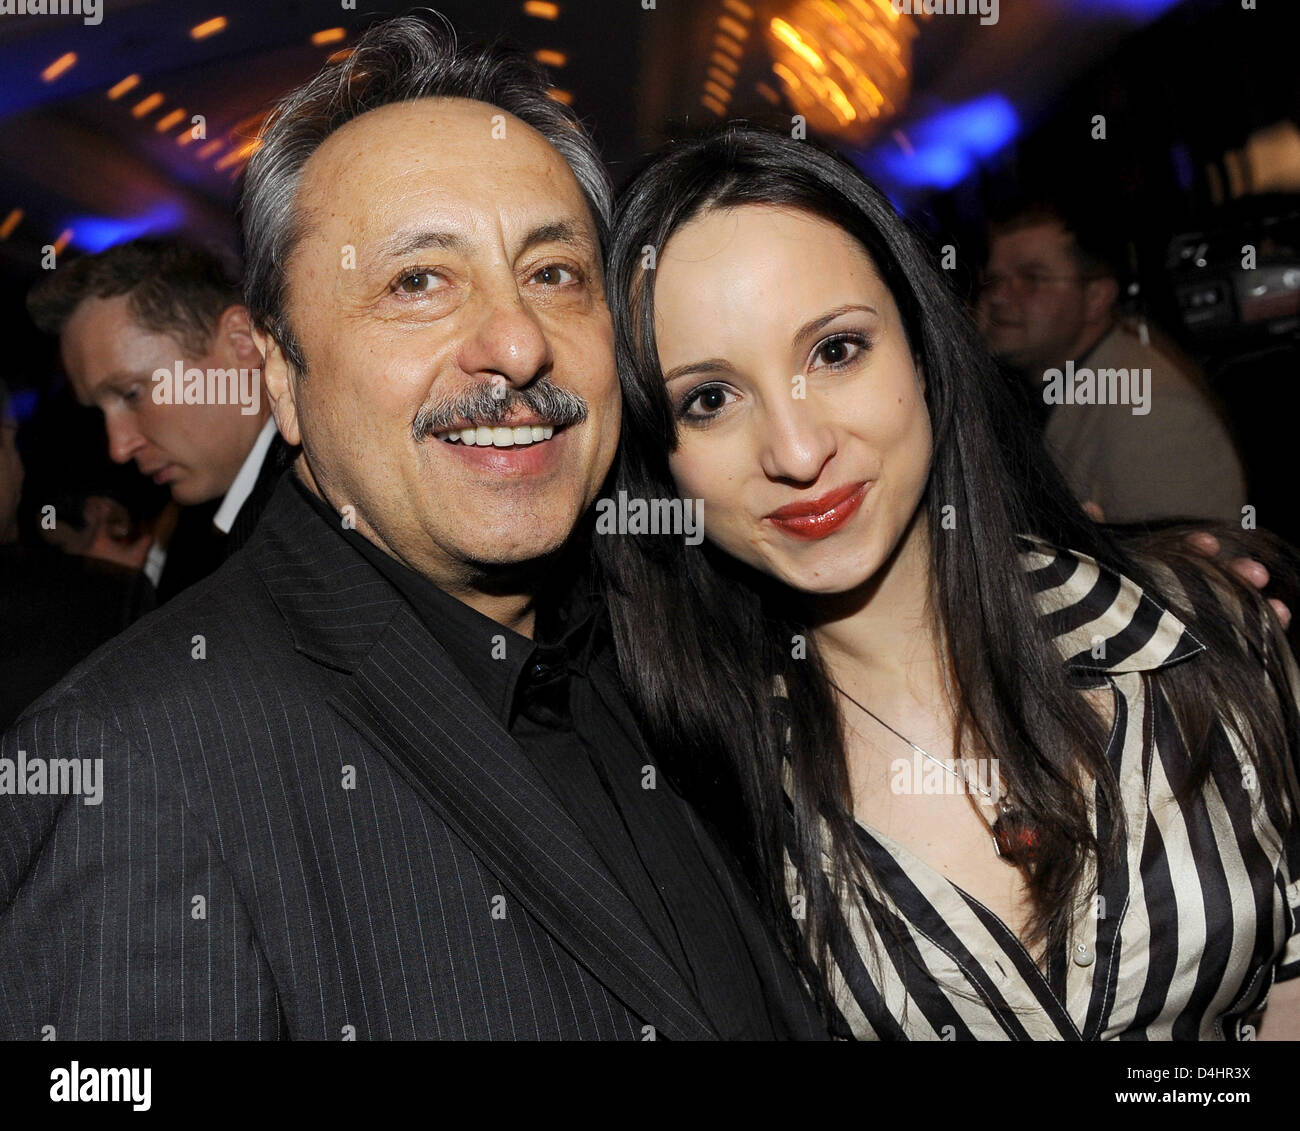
{"x":726,"y":62}
{"x":65,"y":238}
{"x":209,"y":149}
{"x":729,"y":45}
{"x":721,"y":77}
{"x":240,"y":153}
{"x":550,"y":58}
{"x":208,"y":28}
{"x":846,"y":65}
{"x":719,"y":108}
{"x":10,"y":223}
{"x":542,"y":10}
{"x":127,"y":84}
{"x":329,"y":35}
{"x":61,"y":65}
{"x":733,"y":28}
{"x":564,"y":97}
{"x":147,"y":105}
{"x":167,"y":121}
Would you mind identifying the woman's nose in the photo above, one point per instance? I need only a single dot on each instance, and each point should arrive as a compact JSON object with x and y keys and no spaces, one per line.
{"x":796,"y":442}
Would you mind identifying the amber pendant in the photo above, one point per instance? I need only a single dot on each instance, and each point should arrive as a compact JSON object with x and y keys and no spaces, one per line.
{"x":1015,"y":839}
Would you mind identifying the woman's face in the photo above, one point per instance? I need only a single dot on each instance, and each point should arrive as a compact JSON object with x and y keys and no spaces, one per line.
{"x":801,"y":417}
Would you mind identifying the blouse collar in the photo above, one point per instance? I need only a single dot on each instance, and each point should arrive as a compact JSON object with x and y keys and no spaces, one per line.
{"x":1101,"y":620}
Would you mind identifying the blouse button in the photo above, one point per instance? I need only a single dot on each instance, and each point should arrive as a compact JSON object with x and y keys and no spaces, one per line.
{"x":1083,"y":955}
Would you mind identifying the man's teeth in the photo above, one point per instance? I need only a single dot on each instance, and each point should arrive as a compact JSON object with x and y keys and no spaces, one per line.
{"x":501,"y":437}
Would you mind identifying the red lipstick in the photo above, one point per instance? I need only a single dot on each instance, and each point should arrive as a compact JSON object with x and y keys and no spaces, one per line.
{"x":811,"y":519}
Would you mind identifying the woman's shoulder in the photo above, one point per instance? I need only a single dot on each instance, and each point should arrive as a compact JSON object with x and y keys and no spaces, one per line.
{"x":1103,"y":615}
{"x":1162,"y":575}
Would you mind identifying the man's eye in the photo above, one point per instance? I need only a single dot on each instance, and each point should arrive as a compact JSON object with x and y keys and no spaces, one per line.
{"x":417,"y":282}
{"x":131,"y":394}
{"x":555,"y":275}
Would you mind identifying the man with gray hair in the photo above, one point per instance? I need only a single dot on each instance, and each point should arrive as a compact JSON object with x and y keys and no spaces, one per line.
{"x":374,"y":778}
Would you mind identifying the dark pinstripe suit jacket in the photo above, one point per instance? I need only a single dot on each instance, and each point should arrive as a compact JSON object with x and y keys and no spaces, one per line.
{"x":316,"y":831}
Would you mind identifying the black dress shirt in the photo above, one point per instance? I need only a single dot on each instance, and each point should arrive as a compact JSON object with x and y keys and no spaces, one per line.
{"x":558,"y":696}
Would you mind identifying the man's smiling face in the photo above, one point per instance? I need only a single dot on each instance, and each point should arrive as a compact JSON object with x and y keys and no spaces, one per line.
{"x":477,"y":266}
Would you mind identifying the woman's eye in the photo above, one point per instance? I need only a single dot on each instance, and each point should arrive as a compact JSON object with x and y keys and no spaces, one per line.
{"x":416,"y":282}
{"x":838,"y":351}
{"x":709,"y":400}
{"x":555,"y":275}
{"x":131,"y":394}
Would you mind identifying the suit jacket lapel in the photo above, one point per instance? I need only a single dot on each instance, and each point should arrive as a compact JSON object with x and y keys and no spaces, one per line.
{"x":407,"y":698}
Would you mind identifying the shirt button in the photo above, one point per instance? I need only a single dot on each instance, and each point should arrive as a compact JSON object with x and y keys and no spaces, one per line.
{"x":1083,"y":955}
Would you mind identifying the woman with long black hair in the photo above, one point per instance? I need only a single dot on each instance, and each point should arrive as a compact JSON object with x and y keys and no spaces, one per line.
{"x":996,"y":777}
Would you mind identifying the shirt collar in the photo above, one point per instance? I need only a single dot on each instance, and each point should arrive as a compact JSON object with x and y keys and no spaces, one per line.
{"x":497,"y":660}
{"x":1101,"y":620}
{"x":245,"y":479}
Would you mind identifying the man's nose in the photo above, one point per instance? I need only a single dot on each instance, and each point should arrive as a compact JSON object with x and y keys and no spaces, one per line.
{"x":508,"y":340}
{"x":124,"y":439}
{"x":797,"y":441}
{"x":995,"y":291}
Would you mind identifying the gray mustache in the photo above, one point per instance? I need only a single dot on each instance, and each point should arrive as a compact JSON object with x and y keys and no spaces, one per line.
{"x":479,"y":406}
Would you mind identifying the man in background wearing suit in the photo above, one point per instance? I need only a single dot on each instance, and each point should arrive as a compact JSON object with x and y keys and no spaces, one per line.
{"x":375,"y":778}
{"x":154,"y":305}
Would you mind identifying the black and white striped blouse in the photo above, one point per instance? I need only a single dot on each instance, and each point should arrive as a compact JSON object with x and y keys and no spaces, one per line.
{"x":1181,"y":944}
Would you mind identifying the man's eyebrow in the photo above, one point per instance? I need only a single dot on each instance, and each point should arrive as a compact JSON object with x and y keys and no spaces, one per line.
{"x":557,"y":231}
{"x":114,"y":384}
{"x":552,"y":231}
{"x":404,"y":243}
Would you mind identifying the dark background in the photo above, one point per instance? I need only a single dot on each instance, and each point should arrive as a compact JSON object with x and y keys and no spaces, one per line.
{"x":1201,"y":98}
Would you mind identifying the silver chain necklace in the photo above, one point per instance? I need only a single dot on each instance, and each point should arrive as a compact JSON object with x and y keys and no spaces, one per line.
{"x":1014,"y":840}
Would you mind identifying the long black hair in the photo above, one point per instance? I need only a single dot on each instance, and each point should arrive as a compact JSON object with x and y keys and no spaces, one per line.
{"x":701,"y":638}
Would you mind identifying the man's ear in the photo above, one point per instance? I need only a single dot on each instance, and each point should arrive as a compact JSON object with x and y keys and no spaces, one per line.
{"x":1099,"y":298}
{"x":279,"y":381}
{"x":235,"y":328}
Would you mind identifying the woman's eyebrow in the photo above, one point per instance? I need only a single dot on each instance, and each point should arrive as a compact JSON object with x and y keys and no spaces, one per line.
{"x":710,"y":365}
{"x":808,"y":329}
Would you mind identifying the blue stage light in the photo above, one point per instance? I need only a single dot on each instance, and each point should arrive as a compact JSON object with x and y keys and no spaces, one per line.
{"x":941,"y":150}
{"x":98,"y":233}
